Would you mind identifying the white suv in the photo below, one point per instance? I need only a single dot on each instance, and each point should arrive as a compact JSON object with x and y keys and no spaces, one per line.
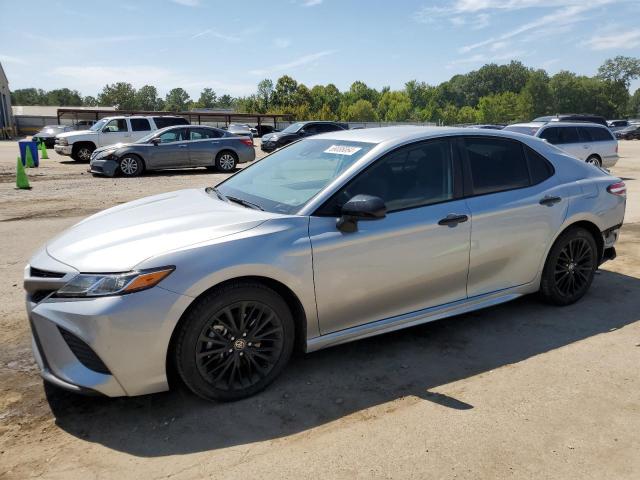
{"x":81,"y":144}
{"x":590,"y":142}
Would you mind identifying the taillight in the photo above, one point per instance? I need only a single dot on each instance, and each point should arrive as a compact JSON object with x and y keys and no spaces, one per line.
{"x":247,"y":141}
{"x":618,"y":188}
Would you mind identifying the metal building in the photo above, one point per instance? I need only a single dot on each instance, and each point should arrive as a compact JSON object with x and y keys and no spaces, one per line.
{"x":6,"y":121}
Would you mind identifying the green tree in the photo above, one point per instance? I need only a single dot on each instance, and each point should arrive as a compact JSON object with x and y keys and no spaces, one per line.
{"x":284,"y":93}
{"x":208,"y":99}
{"x":265,"y":94}
{"x":177,"y":100}
{"x":147,"y":98}
{"x":121,"y":95}
{"x":634,"y":105}
{"x":64,"y":97}
{"x":499,"y":108}
{"x":535,"y":98}
{"x":28,"y":96}
{"x":89,"y":101}
{"x":225,"y":101}
{"x":361,"y":111}
{"x":620,"y":69}
{"x":467,"y":114}
{"x":394,"y":107}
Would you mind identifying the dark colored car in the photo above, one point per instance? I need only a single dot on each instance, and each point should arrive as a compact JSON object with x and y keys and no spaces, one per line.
{"x":187,"y":146}
{"x":573,"y":117}
{"x":488,"y":126}
{"x":296,"y":131}
{"x":632,"y":132}
{"x":48,"y":134}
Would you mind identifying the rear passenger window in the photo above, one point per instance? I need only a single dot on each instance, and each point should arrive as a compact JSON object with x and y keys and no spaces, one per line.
{"x":203,"y":133}
{"x":597,"y":134}
{"x":162,"y":122}
{"x":569,"y":135}
{"x":496,"y":165}
{"x":140,"y":125}
{"x":539,"y":167}
{"x":551,"y":135}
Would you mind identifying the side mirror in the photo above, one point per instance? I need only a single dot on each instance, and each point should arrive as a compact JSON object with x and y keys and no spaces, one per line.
{"x":155,"y":140}
{"x":106,"y":130}
{"x":360,"y":207}
{"x":302,"y":132}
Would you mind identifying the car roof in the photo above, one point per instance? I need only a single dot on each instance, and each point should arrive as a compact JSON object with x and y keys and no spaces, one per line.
{"x":556,"y":124}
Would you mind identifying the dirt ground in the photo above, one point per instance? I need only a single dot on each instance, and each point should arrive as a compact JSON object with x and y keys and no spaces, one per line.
{"x":522,"y":390}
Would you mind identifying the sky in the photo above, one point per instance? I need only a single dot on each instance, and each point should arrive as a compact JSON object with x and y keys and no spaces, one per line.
{"x":231,"y":46}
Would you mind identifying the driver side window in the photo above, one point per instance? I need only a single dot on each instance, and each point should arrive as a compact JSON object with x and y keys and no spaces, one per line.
{"x":170,"y":136}
{"x":412,"y":176}
{"x":114,"y":126}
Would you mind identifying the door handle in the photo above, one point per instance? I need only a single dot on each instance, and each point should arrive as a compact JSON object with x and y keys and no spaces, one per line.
{"x":549,"y":200}
{"x":214,"y":143}
{"x":182,"y":146}
{"x":453,"y":219}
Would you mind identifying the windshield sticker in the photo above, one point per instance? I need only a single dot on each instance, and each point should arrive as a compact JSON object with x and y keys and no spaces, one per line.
{"x":342,"y":149}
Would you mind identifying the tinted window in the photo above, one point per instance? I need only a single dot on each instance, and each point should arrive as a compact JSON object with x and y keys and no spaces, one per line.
{"x":140,"y":124}
{"x":551,"y":135}
{"x":119,"y":125}
{"x":412,"y":176}
{"x":311,"y":129}
{"x":569,"y":135}
{"x":496,"y":165}
{"x":539,"y":167}
{"x":522,"y":129}
{"x":327,"y":127}
{"x":203,"y":133}
{"x":162,"y":122}
{"x":598,"y":134}
{"x":175,"y":135}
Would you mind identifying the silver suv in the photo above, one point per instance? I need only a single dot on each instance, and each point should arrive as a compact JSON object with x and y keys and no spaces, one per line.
{"x":590,"y":142}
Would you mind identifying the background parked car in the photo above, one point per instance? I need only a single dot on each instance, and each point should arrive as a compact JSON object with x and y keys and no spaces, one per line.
{"x":592,"y":143}
{"x":632,"y":132}
{"x":174,"y":147}
{"x":298,"y":130}
{"x":264,"y":129}
{"x":616,"y":125}
{"x":489,"y":126}
{"x":84,"y":124}
{"x":242,"y":129}
{"x":108,"y":131}
{"x":573,"y":117}
{"x":48,"y":134}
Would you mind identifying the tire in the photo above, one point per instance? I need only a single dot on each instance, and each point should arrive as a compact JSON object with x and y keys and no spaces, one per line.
{"x":131,"y":165}
{"x":82,"y":152}
{"x":570,"y":267}
{"x":224,"y":354}
{"x":226,"y":161}
{"x":595,"y":160}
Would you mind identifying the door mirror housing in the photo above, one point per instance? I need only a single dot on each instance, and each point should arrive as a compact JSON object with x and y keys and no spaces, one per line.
{"x":155,"y":140}
{"x":360,"y":207}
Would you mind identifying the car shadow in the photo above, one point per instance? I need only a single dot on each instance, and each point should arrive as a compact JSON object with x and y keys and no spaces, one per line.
{"x":318,"y":388}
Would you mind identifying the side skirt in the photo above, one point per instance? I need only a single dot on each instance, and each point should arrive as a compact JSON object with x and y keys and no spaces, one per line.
{"x":418,"y":317}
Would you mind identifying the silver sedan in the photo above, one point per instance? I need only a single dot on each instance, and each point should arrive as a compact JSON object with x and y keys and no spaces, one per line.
{"x":331,"y":239}
{"x":184,"y":146}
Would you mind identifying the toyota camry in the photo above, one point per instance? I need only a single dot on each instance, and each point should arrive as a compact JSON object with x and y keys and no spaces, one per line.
{"x":331,"y":239}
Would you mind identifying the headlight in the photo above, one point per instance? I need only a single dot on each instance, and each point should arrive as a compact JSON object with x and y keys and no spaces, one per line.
{"x":101,"y":285}
{"x":273,"y":139}
{"x":62,"y":141}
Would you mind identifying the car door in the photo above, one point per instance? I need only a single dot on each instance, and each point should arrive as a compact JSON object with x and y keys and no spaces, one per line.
{"x":516,"y":206}
{"x":115,"y":131}
{"x":414,"y":258}
{"x":140,"y":127}
{"x":573,"y":143}
{"x":204,"y":144}
{"x":172,"y":150}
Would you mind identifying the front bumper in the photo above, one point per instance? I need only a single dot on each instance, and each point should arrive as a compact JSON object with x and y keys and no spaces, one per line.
{"x":102,"y":166}
{"x":128,"y":334}
{"x":63,"y":149}
{"x":268,"y":146}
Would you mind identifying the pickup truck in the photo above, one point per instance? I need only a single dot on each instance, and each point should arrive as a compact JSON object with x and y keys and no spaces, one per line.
{"x":108,"y":131}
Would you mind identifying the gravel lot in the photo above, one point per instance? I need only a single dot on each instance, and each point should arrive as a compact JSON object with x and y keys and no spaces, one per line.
{"x":522,"y":390}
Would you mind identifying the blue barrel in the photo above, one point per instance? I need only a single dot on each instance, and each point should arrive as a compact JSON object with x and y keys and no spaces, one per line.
{"x":24,"y":144}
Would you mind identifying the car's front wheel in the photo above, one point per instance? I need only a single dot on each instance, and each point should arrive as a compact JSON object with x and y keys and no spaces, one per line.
{"x":595,"y":160}
{"x":234,"y":342}
{"x":131,"y":166}
{"x":570,"y":267}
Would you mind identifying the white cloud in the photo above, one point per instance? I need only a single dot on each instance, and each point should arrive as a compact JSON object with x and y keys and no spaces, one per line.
{"x":311,"y":3}
{"x":479,"y":58}
{"x":618,"y":41}
{"x":188,"y":3}
{"x":215,"y":34}
{"x":10,"y":59}
{"x":281,"y":42}
{"x":298,"y":62}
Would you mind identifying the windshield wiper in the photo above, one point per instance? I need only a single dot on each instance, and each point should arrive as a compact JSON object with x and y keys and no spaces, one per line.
{"x":218,"y":193}
{"x":244,"y":203}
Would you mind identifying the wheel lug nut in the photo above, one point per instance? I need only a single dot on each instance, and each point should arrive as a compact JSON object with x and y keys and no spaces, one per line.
{"x":244,"y":334}
{"x":241,"y":354}
{"x":233,"y":338}
{"x":249,"y":344}
{"x":230,"y":350}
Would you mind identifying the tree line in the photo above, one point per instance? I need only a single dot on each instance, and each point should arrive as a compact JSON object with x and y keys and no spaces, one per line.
{"x":492,"y":94}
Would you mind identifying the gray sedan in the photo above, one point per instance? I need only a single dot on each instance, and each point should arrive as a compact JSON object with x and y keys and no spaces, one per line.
{"x":331,"y":239}
{"x":174,"y":147}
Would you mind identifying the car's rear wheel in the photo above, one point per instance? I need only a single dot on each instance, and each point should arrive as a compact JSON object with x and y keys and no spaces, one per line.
{"x":595,"y":160}
{"x":131,"y":166}
{"x":234,"y":342}
{"x":570,"y":267}
{"x":226,"y":161}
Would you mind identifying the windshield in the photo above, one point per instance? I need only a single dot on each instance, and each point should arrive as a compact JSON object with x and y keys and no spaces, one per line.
{"x":293,"y":128}
{"x":98,"y":125}
{"x":522,"y":129}
{"x":287,"y":179}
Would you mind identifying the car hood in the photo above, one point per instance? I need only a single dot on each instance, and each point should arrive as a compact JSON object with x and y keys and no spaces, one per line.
{"x":118,"y":239}
{"x":76,"y":132}
{"x":114,"y":146}
{"x":269,"y":136}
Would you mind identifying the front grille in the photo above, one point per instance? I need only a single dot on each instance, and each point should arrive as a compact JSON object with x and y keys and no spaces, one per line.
{"x":83,"y":352}
{"x":39,"y":295}
{"x":36,"y":272}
